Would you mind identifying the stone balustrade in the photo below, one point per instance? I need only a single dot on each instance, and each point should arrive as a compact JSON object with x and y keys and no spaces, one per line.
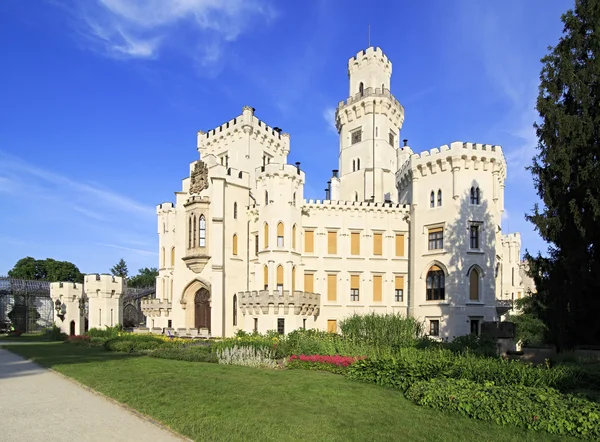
{"x":278,"y":302}
{"x":156,"y":307}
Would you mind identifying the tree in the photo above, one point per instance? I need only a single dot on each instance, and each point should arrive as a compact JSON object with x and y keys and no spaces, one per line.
{"x":45,"y":270}
{"x":146,"y":277}
{"x":566,"y":172}
{"x":120,"y":269}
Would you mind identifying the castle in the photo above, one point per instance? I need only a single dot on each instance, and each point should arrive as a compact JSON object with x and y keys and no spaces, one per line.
{"x":417,"y":234}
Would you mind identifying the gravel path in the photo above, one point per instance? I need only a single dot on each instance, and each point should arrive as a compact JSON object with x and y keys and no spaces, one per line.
{"x":39,"y":405}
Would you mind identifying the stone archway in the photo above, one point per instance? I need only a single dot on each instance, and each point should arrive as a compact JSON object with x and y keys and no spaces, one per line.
{"x":202,"y":309}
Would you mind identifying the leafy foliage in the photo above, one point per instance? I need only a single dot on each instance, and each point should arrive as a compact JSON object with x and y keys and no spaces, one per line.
{"x":146,"y":277}
{"x":54,"y":334}
{"x":247,"y":356}
{"x":195,"y":353}
{"x":120,"y":269}
{"x":565,"y":172}
{"x":536,"y":408}
{"x":46,"y":270}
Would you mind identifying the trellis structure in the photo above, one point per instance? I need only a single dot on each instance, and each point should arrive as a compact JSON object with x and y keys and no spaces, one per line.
{"x":26,"y":304}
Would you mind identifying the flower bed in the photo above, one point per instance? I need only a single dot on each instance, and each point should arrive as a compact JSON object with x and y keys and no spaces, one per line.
{"x":334,"y":364}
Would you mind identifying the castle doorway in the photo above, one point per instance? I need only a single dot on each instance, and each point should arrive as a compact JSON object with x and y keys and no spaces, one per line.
{"x":202,"y":309}
{"x":72,"y":328}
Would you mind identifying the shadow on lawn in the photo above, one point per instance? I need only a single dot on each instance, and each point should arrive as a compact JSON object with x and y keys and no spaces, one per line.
{"x":49,"y":355}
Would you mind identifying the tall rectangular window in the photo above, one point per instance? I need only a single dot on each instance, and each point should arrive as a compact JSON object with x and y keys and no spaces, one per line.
{"x":399,"y":244}
{"x":255,"y":245}
{"x":474,"y":236}
{"x":377,"y":288}
{"x":332,"y":326}
{"x":391,"y":138}
{"x":332,"y":287}
{"x":434,"y":327}
{"x":356,"y":136}
{"x":256,"y":325}
{"x":309,"y":241}
{"x":309,"y":282}
{"x":281,"y":326}
{"x":332,"y":243}
{"x":475,"y":327}
{"x":436,"y":238}
{"x":399,"y":289}
{"x":354,"y":287}
{"x":377,"y":244}
{"x":355,"y":243}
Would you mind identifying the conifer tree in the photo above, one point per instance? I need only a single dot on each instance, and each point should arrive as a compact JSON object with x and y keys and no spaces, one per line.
{"x":120,"y":269}
{"x":566,"y":174}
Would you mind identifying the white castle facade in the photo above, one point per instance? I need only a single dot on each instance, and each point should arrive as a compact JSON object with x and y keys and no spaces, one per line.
{"x":417,"y":234}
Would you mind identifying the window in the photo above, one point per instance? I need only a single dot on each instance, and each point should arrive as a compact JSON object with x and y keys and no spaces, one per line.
{"x":439,"y":199}
{"x":475,"y":327}
{"x":309,"y":241}
{"x":280,"y":234}
{"x":474,"y":195}
{"x":355,"y":243}
{"x":436,"y":238}
{"x":377,"y":244}
{"x":172,"y":256}
{"x":234,"y":245}
{"x":309,"y":280}
{"x":256,"y":325}
{"x":256,"y":245}
{"x":376,"y":131}
{"x":234,"y":310}
{"x":281,"y":326}
{"x":513,"y":276}
{"x":332,"y":243}
{"x":234,"y":210}
{"x":164,"y":289}
{"x":304,"y":323}
{"x":266,"y":277}
{"x":266,"y":198}
{"x":163,"y":259}
{"x":280,"y":279}
{"x":377,"y":288}
{"x":434,"y":327}
{"x":294,"y":237}
{"x":361,"y":88}
{"x":170,"y":298}
{"x":190,"y":233}
{"x":354,"y":287}
{"x":474,"y":285}
{"x":391,"y":138}
{"x":332,"y":287}
{"x":474,"y":236}
{"x":399,"y":244}
{"x":432,"y":199}
{"x":353,"y":165}
{"x":399,"y":289}
{"x":356,"y":138}
{"x":331,"y":326}
{"x":358,"y":164}
{"x":194,"y":242}
{"x":355,"y":196}
{"x":293,"y":279}
{"x":170,"y":323}
{"x":266,"y":236}
{"x":294,"y":199}
{"x":518,"y":295}
{"x":435,"y":284}
{"x":202,"y":241}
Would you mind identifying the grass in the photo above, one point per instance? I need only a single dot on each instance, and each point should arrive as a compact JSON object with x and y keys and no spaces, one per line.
{"x":217,"y":402}
{"x":28,"y":337}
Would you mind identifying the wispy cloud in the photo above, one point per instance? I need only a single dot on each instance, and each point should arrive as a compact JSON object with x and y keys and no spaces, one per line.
{"x":128,"y":249}
{"x":329,"y":117}
{"x":139,"y":29}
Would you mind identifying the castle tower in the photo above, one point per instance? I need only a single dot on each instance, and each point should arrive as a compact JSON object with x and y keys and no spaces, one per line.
{"x":369,"y":124}
{"x":105,"y":294}
{"x":67,"y":312}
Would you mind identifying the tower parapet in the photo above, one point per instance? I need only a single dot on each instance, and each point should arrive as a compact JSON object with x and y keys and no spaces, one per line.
{"x":105,"y":294}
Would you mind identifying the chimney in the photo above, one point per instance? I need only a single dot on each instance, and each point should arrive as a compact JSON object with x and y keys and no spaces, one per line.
{"x":326,"y":194}
{"x":298,"y":167}
{"x":335,"y":173}
{"x":405,"y":142}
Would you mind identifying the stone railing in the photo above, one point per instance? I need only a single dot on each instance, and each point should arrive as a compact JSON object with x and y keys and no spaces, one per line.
{"x":279,"y":302}
{"x":154,"y":307}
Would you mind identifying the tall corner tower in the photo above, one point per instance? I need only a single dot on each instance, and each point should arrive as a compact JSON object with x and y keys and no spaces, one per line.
{"x":369,"y":124}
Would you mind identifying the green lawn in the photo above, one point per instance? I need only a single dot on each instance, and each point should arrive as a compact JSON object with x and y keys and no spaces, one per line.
{"x":217,"y":402}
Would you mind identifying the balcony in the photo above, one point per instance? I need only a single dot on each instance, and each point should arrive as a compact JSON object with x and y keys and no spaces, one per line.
{"x":279,"y":302}
{"x":196,"y":260}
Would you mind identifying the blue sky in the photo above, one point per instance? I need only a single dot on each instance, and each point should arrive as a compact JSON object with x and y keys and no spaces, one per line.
{"x":101,"y":101}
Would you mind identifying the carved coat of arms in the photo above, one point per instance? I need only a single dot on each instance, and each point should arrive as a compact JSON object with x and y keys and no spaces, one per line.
{"x":199,"y":178}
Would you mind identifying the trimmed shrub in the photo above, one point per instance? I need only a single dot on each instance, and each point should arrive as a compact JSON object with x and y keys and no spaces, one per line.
{"x":196,"y":353}
{"x":134,"y":343}
{"x":528,"y":407}
{"x":108,"y":332}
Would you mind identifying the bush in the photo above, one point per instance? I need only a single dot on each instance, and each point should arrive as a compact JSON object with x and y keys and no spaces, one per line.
{"x":54,"y":334}
{"x":195,"y":353}
{"x":130,"y":343}
{"x":335,"y":364}
{"x":528,"y":407}
{"x":247,"y":356}
{"x":108,"y":332}
{"x":83,"y":340}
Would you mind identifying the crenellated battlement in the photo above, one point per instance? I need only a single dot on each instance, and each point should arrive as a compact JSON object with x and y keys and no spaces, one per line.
{"x":218,"y":139}
{"x":458,"y":155}
{"x":369,"y":55}
{"x":164,"y":208}
{"x":326,"y":205}
{"x":511,"y":238}
{"x":371,"y":100}
{"x":272,"y":302}
{"x":104,"y":286}
{"x":278,"y":170}
{"x":66,"y":291}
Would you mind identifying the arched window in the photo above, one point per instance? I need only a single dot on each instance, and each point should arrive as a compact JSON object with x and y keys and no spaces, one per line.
{"x":163,"y":258}
{"x":234,"y":310}
{"x":194,"y":242}
{"x":358,"y":164}
{"x":435,"y":284}
{"x":280,"y":278}
{"x":280,"y":234}
{"x":234,"y":244}
{"x":164,"y":290}
{"x":294,"y":199}
{"x":172,"y":256}
{"x":234,"y":210}
{"x":353,"y":165}
{"x":293,"y":279}
{"x":382,"y":87}
{"x":266,"y":198}
{"x":474,"y":195}
{"x":190,"y":233}
{"x":266,"y":277}
{"x":361,"y":88}
{"x":432,"y":199}
{"x":439,"y":200}
{"x":294,"y":237}
{"x":355,"y":196}
{"x":474,"y":285}
{"x":202,"y":241}
{"x":171,"y":292}
{"x":266,"y":235}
